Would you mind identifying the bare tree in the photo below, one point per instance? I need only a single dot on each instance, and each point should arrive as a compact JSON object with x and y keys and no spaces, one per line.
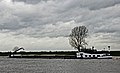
{"x":77,"y":37}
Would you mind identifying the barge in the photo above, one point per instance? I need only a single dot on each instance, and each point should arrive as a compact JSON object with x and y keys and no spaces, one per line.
{"x":59,"y":55}
{"x":83,"y":54}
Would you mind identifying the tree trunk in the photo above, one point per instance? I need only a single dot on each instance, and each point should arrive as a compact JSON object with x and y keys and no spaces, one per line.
{"x":78,"y":48}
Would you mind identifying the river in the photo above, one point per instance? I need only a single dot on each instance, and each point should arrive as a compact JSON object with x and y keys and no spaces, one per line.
{"x":32,"y":65}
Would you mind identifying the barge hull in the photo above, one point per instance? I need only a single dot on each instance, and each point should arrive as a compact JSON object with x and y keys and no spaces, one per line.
{"x":55,"y":57}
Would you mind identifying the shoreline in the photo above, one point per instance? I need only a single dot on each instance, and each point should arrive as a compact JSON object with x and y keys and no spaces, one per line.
{"x":56,"y":53}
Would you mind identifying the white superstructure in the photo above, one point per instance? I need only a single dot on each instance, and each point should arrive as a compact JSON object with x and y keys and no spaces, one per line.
{"x":93,"y":56}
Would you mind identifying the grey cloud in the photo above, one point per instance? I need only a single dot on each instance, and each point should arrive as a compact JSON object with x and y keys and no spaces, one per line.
{"x":37,"y":17}
{"x":91,"y":4}
{"x":55,"y":18}
{"x":29,"y":1}
{"x":108,"y":29}
{"x":111,"y":38}
{"x":96,"y":5}
{"x":52,"y":30}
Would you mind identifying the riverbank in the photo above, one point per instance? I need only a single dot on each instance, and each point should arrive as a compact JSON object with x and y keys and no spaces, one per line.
{"x":57,"y":53}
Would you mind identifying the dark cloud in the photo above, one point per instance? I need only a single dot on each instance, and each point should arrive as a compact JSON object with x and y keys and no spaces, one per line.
{"x":29,"y":1}
{"x":56,"y":18}
{"x":91,"y":4}
{"x":39,"y":16}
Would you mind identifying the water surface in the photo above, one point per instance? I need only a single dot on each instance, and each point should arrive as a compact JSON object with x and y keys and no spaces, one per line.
{"x":24,"y":65}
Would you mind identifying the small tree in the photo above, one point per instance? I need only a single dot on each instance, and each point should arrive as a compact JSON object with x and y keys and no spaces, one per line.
{"x":77,"y":37}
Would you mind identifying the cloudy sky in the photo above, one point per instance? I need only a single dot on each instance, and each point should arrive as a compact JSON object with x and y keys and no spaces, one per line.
{"x":46,"y":24}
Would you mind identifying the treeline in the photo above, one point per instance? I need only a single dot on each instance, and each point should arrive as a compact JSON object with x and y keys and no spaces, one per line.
{"x":42,"y":52}
{"x":113,"y":53}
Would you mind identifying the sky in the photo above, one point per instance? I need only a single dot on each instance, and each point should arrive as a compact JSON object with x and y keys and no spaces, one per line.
{"x":46,"y":24}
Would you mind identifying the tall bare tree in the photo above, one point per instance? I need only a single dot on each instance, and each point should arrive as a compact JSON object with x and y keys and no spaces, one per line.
{"x":77,"y":37}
